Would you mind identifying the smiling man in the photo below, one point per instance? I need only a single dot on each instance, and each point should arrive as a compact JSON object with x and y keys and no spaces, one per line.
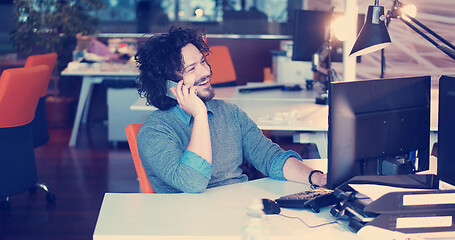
{"x":193,"y":141}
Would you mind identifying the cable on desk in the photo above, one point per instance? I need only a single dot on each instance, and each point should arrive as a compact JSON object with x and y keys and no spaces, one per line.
{"x":315,"y":226}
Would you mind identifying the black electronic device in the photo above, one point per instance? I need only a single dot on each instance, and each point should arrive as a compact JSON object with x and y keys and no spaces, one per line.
{"x":282,"y":87}
{"x":311,"y":33}
{"x":270,"y":206}
{"x":446,"y":129}
{"x":378,"y":127}
{"x":170,"y":84}
{"x":360,"y":209}
{"x":261,"y":88}
{"x":313,"y":199}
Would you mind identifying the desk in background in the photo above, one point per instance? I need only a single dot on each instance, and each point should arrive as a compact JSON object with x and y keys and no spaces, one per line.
{"x":278,"y":111}
{"x":292,"y":111}
{"x":94,"y":74}
{"x":271,"y":110}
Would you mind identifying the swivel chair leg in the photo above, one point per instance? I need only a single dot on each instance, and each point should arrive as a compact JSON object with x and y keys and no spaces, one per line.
{"x":50,"y":196}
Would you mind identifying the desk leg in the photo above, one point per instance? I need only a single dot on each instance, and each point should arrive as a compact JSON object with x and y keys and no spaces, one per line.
{"x":87,"y":105}
{"x":433,"y":139}
{"x":318,"y":138}
{"x":87,"y":84}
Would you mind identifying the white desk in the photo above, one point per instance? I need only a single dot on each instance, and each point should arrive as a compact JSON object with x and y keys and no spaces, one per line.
{"x":277,"y":110}
{"x":90,"y":76}
{"x":215,"y":214}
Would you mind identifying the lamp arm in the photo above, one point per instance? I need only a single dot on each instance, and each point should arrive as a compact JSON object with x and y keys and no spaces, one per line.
{"x":430,"y":31}
{"x":446,"y":50}
{"x":450,"y":52}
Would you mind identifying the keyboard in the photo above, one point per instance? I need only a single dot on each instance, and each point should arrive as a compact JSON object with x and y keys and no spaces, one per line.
{"x":313,"y":199}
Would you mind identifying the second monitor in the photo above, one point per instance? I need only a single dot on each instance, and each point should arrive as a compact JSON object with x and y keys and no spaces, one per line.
{"x":378,"y":127}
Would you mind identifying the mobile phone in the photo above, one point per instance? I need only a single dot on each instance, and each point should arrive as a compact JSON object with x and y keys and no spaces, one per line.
{"x":170,"y":84}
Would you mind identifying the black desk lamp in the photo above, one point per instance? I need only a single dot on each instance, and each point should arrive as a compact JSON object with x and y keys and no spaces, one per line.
{"x":374,"y":35}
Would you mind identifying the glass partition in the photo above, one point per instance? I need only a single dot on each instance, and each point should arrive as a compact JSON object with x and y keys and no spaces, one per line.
{"x":273,"y":17}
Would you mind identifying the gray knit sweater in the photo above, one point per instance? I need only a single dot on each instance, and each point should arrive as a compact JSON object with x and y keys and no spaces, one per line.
{"x":164,"y":137}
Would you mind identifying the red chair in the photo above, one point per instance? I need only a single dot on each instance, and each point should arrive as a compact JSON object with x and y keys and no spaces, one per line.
{"x":40,"y":128}
{"x":18,"y":100}
{"x":131,"y":135}
{"x":222,"y":67}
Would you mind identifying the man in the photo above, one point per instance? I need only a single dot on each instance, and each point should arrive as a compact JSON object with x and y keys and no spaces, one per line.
{"x":194,"y":142}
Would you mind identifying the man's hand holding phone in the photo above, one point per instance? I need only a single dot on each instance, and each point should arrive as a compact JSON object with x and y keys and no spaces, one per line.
{"x":170,"y":84}
{"x":187,"y":99}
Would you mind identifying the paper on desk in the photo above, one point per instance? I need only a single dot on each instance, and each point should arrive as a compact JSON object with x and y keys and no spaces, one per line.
{"x":371,"y":233}
{"x":281,"y":117}
{"x":374,"y":191}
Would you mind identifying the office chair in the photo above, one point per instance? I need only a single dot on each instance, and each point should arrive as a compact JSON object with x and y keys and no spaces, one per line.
{"x":40,"y":128}
{"x":131,"y":134}
{"x":18,"y":100}
{"x":222,"y":67}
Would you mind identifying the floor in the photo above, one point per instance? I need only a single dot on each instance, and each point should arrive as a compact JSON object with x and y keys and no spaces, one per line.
{"x":79,"y":177}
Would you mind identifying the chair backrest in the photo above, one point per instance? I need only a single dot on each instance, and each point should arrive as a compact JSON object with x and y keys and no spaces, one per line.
{"x":49,"y":60}
{"x":40,"y":127}
{"x":131,"y":134}
{"x":221,"y":63}
{"x":19,"y":96}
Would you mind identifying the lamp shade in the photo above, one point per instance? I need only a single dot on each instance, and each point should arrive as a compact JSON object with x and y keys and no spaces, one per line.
{"x":374,"y":35}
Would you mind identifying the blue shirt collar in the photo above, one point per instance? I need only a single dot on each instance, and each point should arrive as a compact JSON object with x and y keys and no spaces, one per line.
{"x":185,"y":117}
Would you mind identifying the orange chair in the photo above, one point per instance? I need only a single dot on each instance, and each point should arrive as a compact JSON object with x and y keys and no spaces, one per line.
{"x":40,"y":128}
{"x":131,"y":134}
{"x":18,"y":100}
{"x":222,"y":67}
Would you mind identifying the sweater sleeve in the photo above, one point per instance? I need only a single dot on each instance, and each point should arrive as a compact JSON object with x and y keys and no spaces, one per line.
{"x":164,"y":157}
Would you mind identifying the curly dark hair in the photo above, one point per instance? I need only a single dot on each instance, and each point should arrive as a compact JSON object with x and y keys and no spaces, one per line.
{"x":160,"y":59}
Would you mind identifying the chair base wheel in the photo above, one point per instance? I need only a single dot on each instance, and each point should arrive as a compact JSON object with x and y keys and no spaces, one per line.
{"x":50,"y":196}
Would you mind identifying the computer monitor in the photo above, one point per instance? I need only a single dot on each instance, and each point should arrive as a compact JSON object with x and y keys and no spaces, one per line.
{"x":311,"y":33}
{"x":446,"y":129}
{"x":378,"y":127}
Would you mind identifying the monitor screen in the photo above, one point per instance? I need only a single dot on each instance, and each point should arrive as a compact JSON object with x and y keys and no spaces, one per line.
{"x":311,"y":33}
{"x":378,"y":127}
{"x":446,"y":129}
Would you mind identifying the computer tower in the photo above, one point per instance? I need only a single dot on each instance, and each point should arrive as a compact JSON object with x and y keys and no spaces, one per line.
{"x":446,"y":129}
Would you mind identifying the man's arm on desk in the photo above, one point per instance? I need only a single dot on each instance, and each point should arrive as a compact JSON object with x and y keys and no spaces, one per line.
{"x":297,"y":171}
